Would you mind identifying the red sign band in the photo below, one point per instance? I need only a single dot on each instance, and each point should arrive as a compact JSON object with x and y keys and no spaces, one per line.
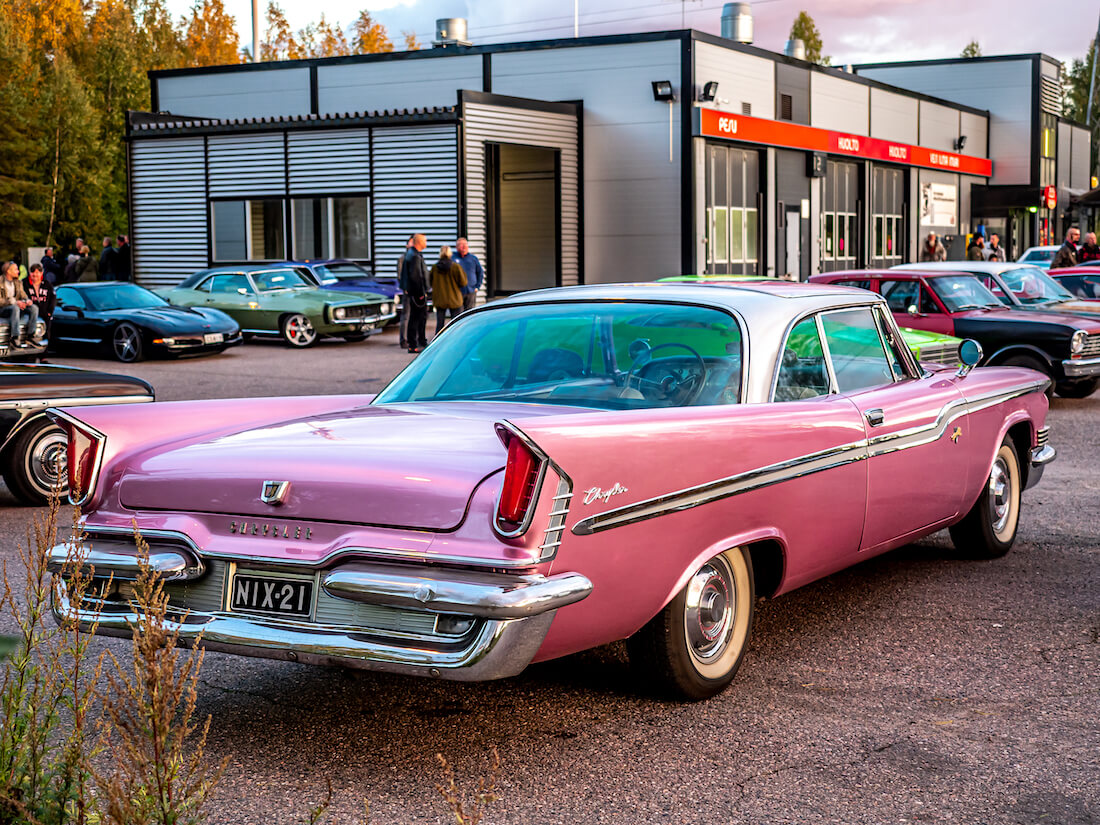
{"x":796,"y":136}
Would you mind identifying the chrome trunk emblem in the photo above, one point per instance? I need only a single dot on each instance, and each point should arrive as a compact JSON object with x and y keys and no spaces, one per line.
{"x":274,"y":492}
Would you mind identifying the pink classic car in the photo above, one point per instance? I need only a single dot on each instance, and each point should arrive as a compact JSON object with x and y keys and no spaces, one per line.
{"x":557,"y":471}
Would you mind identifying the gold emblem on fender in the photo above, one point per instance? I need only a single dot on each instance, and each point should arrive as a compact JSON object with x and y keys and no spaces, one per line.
{"x":271,"y":531}
{"x":957,"y":434}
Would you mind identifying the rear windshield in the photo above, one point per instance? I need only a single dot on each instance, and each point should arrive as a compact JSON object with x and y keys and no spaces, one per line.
{"x":591,"y":354}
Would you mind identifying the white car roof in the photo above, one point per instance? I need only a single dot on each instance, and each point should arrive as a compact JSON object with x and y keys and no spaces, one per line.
{"x":967,"y":266}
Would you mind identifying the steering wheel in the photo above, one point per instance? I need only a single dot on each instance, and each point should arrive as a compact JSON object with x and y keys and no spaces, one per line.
{"x":679,"y":385}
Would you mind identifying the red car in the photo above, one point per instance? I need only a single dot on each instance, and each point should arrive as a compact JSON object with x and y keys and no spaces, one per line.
{"x":1064,"y":347}
{"x":1082,"y":280}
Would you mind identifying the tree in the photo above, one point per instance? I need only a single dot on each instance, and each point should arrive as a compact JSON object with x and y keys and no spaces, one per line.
{"x":972,"y":49}
{"x":369,"y":37}
{"x":323,"y":39}
{"x":211,"y":37}
{"x":1076,"y":90}
{"x":279,"y":42}
{"x":805,"y":29}
{"x":411,"y":43}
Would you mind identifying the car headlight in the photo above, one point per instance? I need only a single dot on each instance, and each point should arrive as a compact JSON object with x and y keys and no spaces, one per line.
{"x":384,"y":309}
{"x":339,"y":313}
{"x":1077,"y":342}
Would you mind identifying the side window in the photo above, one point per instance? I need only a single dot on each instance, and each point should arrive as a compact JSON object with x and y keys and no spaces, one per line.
{"x":858,"y":283}
{"x":894,"y":345}
{"x":856,"y":350}
{"x":205,"y":285}
{"x":231,"y":284}
{"x":901,"y":295}
{"x":802,"y":372}
{"x":995,"y":288}
{"x":70,"y":298}
{"x":928,"y":304}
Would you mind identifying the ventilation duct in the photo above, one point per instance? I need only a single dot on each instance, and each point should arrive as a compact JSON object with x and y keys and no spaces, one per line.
{"x":795,"y":48}
{"x":737,"y":22}
{"x":451,"y":31}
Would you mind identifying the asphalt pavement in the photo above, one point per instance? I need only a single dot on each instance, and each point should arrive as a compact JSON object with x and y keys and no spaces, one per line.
{"x":915,"y":687}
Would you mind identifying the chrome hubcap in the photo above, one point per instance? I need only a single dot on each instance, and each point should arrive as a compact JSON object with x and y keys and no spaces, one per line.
{"x":708,"y":618}
{"x":1000,"y":495}
{"x":49,"y":460}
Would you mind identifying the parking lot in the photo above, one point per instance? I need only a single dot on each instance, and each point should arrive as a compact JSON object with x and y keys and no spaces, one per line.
{"x":915,"y":687}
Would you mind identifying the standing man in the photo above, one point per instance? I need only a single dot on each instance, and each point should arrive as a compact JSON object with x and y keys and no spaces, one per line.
{"x":1089,"y":251}
{"x":996,"y":252}
{"x":52,"y":270}
{"x":403,"y":307}
{"x":1067,"y":254}
{"x":107,"y":260}
{"x":933,"y":250}
{"x":976,"y":250}
{"x":15,"y":305}
{"x":416,"y":291}
{"x":40,"y":293}
{"x":475,"y":275}
{"x":122,"y":259}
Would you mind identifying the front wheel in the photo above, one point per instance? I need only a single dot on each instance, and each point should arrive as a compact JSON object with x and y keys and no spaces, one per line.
{"x":126,"y":343}
{"x":989,"y":529}
{"x":297,"y":330}
{"x":1078,"y":389}
{"x":693,"y":647}
{"x":36,"y":463}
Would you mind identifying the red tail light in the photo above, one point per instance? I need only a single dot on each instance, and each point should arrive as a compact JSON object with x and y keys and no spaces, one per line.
{"x":83,"y":454}
{"x":521,"y":475}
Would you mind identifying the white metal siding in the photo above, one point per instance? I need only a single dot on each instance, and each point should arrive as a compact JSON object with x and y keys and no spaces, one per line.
{"x":975,"y":127}
{"x":396,"y":84}
{"x":239,"y":94}
{"x":742,"y":78}
{"x":247,"y":165}
{"x":168,"y":213}
{"x":498,"y":124}
{"x":839,"y":104}
{"x":893,"y":117}
{"x":631,"y":190}
{"x":1002,"y":86}
{"x":939,"y":126}
{"x":415,"y":190}
{"x":333,"y":160}
{"x":1079,"y":174}
{"x":1064,"y":155}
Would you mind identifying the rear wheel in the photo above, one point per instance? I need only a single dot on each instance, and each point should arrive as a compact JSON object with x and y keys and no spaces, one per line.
{"x":297,"y":330}
{"x":989,"y":529}
{"x":36,"y":462}
{"x":693,"y":647}
{"x":1078,"y":389}
{"x":126,"y":343}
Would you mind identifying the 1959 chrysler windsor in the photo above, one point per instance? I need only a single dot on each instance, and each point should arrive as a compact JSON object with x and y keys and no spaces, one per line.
{"x":559,"y":470}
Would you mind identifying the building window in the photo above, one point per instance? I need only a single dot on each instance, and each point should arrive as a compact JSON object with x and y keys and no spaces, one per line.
{"x":248,"y":230}
{"x":331,"y":227}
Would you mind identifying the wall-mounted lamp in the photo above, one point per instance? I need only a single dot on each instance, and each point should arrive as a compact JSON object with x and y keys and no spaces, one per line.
{"x":960,"y":142}
{"x":662,"y":90}
{"x":710,"y":91}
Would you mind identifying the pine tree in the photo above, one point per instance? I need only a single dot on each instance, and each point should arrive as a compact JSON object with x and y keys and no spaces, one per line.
{"x":805,"y":29}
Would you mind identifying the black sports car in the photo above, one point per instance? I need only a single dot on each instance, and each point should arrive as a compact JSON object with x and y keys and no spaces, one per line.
{"x":132,"y":323}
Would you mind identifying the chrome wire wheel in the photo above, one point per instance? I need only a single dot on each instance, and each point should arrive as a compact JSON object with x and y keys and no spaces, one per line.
{"x":126,"y":343}
{"x":298,"y":331}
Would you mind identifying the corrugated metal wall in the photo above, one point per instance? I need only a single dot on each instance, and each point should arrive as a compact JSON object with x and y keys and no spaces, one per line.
{"x":415,"y":190}
{"x":248,"y":165}
{"x":168,"y":213}
{"x":499,"y":124}
{"x":332,"y":160}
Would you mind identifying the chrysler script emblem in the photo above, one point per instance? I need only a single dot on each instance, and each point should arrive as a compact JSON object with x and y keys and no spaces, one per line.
{"x":274,"y":492}
{"x":598,"y":494}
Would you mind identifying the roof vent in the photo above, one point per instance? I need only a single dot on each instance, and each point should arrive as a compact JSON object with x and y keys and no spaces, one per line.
{"x":451,"y":31}
{"x":737,"y":22}
{"x":795,"y":48}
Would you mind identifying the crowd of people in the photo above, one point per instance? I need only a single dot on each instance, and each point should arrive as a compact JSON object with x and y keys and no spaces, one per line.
{"x":1071,"y":254}
{"x":977,"y":250}
{"x":452,"y":284}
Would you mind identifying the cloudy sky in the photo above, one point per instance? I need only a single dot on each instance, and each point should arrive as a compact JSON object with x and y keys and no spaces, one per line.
{"x":853,"y":31}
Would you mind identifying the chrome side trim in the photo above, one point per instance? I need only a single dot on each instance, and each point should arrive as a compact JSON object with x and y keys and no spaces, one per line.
{"x":170,"y":565}
{"x":797,"y":467}
{"x":79,"y":401}
{"x":497,"y":649}
{"x":91,"y":530}
{"x":487,"y":595}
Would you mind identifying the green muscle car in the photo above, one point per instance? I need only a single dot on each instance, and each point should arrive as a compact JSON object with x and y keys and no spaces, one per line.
{"x":279,"y":300}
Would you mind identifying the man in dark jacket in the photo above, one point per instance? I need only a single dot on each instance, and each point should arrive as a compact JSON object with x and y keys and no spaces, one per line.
{"x":403,"y":305}
{"x":107,"y":260}
{"x":52,"y":271}
{"x":1067,"y":254}
{"x":122,"y":259}
{"x":416,"y":293}
{"x":1089,"y":251}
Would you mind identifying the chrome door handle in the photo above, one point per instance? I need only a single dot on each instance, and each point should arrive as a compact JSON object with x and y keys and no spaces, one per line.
{"x":876,"y":418}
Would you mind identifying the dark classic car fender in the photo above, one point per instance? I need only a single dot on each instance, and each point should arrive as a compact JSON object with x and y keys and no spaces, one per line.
{"x":30,"y":443}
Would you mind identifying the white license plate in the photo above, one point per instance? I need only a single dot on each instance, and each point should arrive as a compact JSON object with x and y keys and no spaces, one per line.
{"x":271,"y":596}
{"x":213,"y":338}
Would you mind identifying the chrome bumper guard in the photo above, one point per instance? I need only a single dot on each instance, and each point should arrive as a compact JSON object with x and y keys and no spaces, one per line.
{"x":1081,"y":367}
{"x":1041,"y":456}
{"x":106,"y":558}
{"x":514,"y":613}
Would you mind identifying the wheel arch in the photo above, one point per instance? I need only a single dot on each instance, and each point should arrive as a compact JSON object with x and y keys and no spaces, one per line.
{"x":1020,"y":429}
{"x":10,"y":431}
{"x":1004,"y":353}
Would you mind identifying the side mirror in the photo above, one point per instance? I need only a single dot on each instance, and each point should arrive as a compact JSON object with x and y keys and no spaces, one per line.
{"x":912,"y":310}
{"x":70,"y":308}
{"x":970,"y":353}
